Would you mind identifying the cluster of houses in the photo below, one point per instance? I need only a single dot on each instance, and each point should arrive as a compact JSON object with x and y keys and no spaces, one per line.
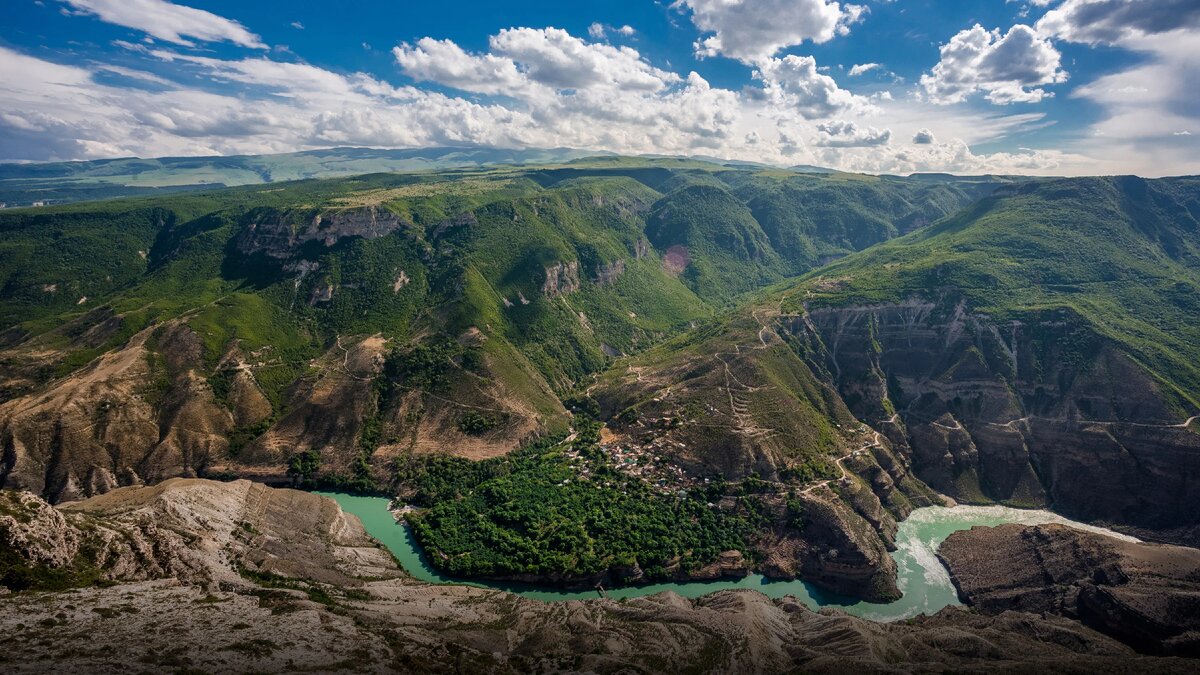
{"x":645,"y":463}
{"x":40,"y":202}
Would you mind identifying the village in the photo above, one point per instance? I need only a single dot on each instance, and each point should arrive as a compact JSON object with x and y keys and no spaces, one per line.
{"x":652,"y":461}
{"x":649,"y":463}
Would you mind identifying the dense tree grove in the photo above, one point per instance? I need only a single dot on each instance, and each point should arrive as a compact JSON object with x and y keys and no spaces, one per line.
{"x":541,"y":512}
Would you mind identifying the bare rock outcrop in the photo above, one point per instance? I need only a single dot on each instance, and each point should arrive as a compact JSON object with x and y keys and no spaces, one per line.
{"x":608,"y":273}
{"x":841,"y":551}
{"x":280,"y":235}
{"x":196,"y":531}
{"x":1146,"y":595}
{"x":561,"y":279}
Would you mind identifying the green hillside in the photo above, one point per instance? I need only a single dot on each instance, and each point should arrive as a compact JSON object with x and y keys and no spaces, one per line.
{"x":1121,"y":254}
{"x":477,"y":246}
{"x":332,"y":332}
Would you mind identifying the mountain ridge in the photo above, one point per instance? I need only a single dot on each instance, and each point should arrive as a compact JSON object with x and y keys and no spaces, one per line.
{"x":329,"y":332}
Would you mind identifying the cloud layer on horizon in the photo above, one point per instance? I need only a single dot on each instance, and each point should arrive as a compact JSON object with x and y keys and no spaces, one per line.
{"x":544,"y":87}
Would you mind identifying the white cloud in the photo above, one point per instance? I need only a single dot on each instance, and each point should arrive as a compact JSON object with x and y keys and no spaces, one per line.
{"x":956,"y":156}
{"x":844,"y":134}
{"x":168,"y":22}
{"x":793,"y":82}
{"x":297,"y":25}
{"x":1008,"y":68}
{"x":555,"y":58}
{"x":132,"y":74}
{"x":599,"y":31}
{"x":528,"y":62}
{"x":1113,"y":21}
{"x":923,"y":137}
{"x":860,"y":68}
{"x":125,"y":44}
{"x":530,"y":88}
{"x":753,"y":30}
{"x":301,"y":81}
{"x":1145,"y":103}
{"x":444,"y":62}
{"x":49,"y":111}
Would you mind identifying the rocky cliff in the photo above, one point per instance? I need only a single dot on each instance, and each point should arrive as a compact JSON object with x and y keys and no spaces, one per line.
{"x":194,"y":531}
{"x":1036,"y":412}
{"x":1146,"y":595}
{"x":561,"y":279}
{"x":280,"y":235}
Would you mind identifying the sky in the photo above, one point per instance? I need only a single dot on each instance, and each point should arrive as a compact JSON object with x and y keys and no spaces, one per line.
{"x":1052,"y":87}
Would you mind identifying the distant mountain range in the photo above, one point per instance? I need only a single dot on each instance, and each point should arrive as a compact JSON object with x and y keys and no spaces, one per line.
{"x":63,"y":182}
{"x":46,"y":184}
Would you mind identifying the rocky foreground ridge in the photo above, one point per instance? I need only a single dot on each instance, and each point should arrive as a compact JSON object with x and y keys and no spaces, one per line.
{"x":1145,"y":595}
{"x":237,"y":576}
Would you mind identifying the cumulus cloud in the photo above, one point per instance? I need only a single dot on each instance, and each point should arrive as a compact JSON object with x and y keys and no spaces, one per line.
{"x":860,"y":68}
{"x":1145,"y":103}
{"x":444,"y":62}
{"x":168,"y":22}
{"x":844,"y":134}
{"x":795,"y":83}
{"x":1008,"y":68}
{"x":753,"y":30}
{"x":958,"y":155}
{"x":528,"y":61}
{"x":923,"y":137}
{"x":555,"y":58}
{"x":599,"y":31}
{"x":1114,"y":21}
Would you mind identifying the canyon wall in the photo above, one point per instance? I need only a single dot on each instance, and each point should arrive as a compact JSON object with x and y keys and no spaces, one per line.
{"x":1036,"y":412}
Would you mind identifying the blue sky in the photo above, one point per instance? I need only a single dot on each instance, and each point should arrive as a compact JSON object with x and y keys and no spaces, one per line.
{"x":1036,"y":86}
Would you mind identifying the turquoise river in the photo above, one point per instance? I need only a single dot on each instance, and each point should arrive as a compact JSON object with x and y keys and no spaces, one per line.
{"x":922,"y":578}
